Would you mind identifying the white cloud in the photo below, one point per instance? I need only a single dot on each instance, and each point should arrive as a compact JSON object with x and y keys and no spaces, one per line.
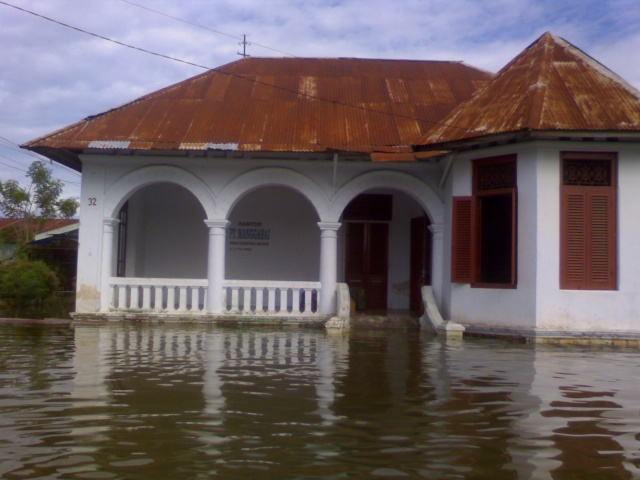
{"x":52,"y":76}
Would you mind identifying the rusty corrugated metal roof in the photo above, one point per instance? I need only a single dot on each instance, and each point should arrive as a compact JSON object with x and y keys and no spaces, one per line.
{"x":550,"y":86}
{"x":282,"y":105}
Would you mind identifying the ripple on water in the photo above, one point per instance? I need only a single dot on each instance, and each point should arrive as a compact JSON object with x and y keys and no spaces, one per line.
{"x":186,"y":402}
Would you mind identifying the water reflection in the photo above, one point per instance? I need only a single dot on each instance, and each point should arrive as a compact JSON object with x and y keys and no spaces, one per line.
{"x":193,"y":402}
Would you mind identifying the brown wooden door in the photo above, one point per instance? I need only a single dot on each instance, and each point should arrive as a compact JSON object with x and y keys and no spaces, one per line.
{"x":367,"y":262}
{"x":420,"y":258}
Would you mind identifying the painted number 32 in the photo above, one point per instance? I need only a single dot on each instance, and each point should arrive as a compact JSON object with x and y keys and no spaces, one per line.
{"x":92,"y":202}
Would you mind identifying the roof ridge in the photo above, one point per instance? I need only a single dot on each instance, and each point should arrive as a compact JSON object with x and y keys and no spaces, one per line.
{"x":599,"y":67}
{"x":536,"y":106}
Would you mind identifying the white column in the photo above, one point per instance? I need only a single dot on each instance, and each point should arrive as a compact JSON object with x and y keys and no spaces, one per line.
{"x":437,"y":261}
{"x":216,"y":264}
{"x":108,"y":226}
{"x":328,"y":265}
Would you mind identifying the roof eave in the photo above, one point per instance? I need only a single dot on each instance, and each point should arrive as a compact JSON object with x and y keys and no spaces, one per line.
{"x":68,"y":158}
{"x":503,"y":138}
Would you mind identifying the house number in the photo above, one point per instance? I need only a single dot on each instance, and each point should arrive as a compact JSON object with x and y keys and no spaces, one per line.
{"x":92,"y":202}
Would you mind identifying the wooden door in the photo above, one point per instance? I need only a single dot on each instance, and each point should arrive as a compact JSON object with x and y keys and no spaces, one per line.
{"x":367,"y":263}
{"x":420,"y":258}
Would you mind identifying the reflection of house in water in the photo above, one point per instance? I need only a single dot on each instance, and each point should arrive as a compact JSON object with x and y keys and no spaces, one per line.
{"x":364,"y":399}
{"x":536,"y":412}
{"x":214,"y":381}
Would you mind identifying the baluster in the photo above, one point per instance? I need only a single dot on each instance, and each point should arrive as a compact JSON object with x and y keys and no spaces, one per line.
{"x":135,"y":297}
{"x":122,"y":297}
{"x":271,"y":300}
{"x":308,"y":293}
{"x":259,"y":300}
{"x":146,"y":297}
{"x":158,"y":300}
{"x":195,"y":294}
{"x":183,"y":299}
{"x":246,"y":300}
{"x":171,"y":299}
{"x":235,"y":293}
{"x":295,"y":303}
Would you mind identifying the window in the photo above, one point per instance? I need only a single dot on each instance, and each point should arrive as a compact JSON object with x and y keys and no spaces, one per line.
{"x":484,"y":226}
{"x":588,"y":221}
{"x":121,"y":262}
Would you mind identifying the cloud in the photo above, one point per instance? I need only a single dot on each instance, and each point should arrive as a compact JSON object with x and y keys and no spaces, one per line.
{"x":52,"y":76}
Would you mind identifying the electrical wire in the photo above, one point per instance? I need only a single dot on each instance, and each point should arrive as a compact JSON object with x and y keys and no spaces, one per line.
{"x":194,"y":24}
{"x":14,"y":146}
{"x":218,"y":70}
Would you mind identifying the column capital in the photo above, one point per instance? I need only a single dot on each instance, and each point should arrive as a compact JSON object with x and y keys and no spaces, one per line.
{"x":329,"y":226}
{"x":217,"y":223}
{"x":109,"y":224}
{"x":436,"y":228}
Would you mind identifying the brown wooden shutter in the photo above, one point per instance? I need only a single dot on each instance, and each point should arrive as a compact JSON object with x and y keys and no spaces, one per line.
{"x":588,"y":253}
{"x":602,"y":261}
{"x":461,"y":250}
{"x":573,"y":262}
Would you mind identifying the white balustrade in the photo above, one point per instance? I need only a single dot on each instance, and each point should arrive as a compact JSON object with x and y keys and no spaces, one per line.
{"x":167,"y":295}
{"x":270,"y":298}
{"x":239,"y":297}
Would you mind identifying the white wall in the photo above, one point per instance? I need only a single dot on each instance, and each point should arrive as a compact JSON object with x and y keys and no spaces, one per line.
{"x":587,"y":309}
{"x":167,"y":236}
{"x":499,"y":307}
{"x":273,"y":235}
{"x":538,"y":302}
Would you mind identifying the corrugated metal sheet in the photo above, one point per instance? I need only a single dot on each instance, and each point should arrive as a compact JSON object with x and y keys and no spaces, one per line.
{"x":292,"y":104}
{"x":550,"y":86}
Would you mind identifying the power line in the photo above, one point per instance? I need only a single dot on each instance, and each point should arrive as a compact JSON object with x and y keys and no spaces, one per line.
{"x":14,"y":146}
{"x":207,"y":28}
{"x":222,"y":72}
{"x":25,"y":171}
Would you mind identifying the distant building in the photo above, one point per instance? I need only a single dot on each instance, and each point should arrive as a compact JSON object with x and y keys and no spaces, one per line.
{"x":257,"y":187}
{"x":55,"y":242}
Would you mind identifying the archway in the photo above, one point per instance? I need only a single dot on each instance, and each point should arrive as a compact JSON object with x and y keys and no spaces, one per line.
{"x":386,"y":250}
{"x":162,"y":234}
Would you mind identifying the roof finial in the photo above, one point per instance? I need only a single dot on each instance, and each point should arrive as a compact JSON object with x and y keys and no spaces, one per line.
{"x":244,"y":44}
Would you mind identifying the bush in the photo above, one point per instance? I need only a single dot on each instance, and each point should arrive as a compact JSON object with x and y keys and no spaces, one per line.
{"x":26,"y":288}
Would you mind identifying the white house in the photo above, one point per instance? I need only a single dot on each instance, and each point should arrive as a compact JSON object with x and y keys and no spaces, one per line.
{"x":258,"y":188}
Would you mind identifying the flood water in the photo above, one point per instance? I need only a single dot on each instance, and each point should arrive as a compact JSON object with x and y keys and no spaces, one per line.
{"x":198,"y":402}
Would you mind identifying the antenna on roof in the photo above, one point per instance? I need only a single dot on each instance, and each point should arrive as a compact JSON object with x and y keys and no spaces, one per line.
{"x":244,"y":44}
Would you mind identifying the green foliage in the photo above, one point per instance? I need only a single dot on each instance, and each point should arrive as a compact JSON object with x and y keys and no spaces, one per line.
{"x":35,"y":203}
{"x":26,"y":288}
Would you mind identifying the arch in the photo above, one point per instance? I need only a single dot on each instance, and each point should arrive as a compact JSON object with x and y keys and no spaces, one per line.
{"x":402,"y":182}
{"x":271,"y":176}
{"x":126,"y":186}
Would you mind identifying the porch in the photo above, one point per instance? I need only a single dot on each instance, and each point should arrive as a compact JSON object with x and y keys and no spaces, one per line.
{"x":189,"y":297}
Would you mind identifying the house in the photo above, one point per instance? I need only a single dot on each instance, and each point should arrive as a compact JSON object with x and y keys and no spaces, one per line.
{"x":264,"y":186}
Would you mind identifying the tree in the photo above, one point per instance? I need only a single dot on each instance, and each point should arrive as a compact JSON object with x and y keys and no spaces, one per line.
{"x":25,"y":286}
{"x":38,"y":202}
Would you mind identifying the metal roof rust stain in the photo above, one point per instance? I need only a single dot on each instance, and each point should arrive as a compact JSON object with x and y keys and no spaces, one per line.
{"x":550,"y":86}
{"x":284,"y":104}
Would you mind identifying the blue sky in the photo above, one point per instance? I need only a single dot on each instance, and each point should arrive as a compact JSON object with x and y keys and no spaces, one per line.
{"x":51,"y":76}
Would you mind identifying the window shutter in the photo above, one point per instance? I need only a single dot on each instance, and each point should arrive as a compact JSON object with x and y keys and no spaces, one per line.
{"x":461,"y":261}
{"x":574,"y":248}
{"x":602,"y":261}
{"x":588,"y":254}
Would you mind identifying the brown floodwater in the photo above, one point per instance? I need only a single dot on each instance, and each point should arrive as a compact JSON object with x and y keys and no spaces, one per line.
{"x":155,"y":402}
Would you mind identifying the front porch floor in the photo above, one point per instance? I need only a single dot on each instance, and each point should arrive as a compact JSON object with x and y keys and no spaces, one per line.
{"x":224,"y":319}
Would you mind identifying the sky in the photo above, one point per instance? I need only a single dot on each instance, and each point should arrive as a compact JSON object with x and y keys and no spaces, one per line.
{"x":53,"y":75}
